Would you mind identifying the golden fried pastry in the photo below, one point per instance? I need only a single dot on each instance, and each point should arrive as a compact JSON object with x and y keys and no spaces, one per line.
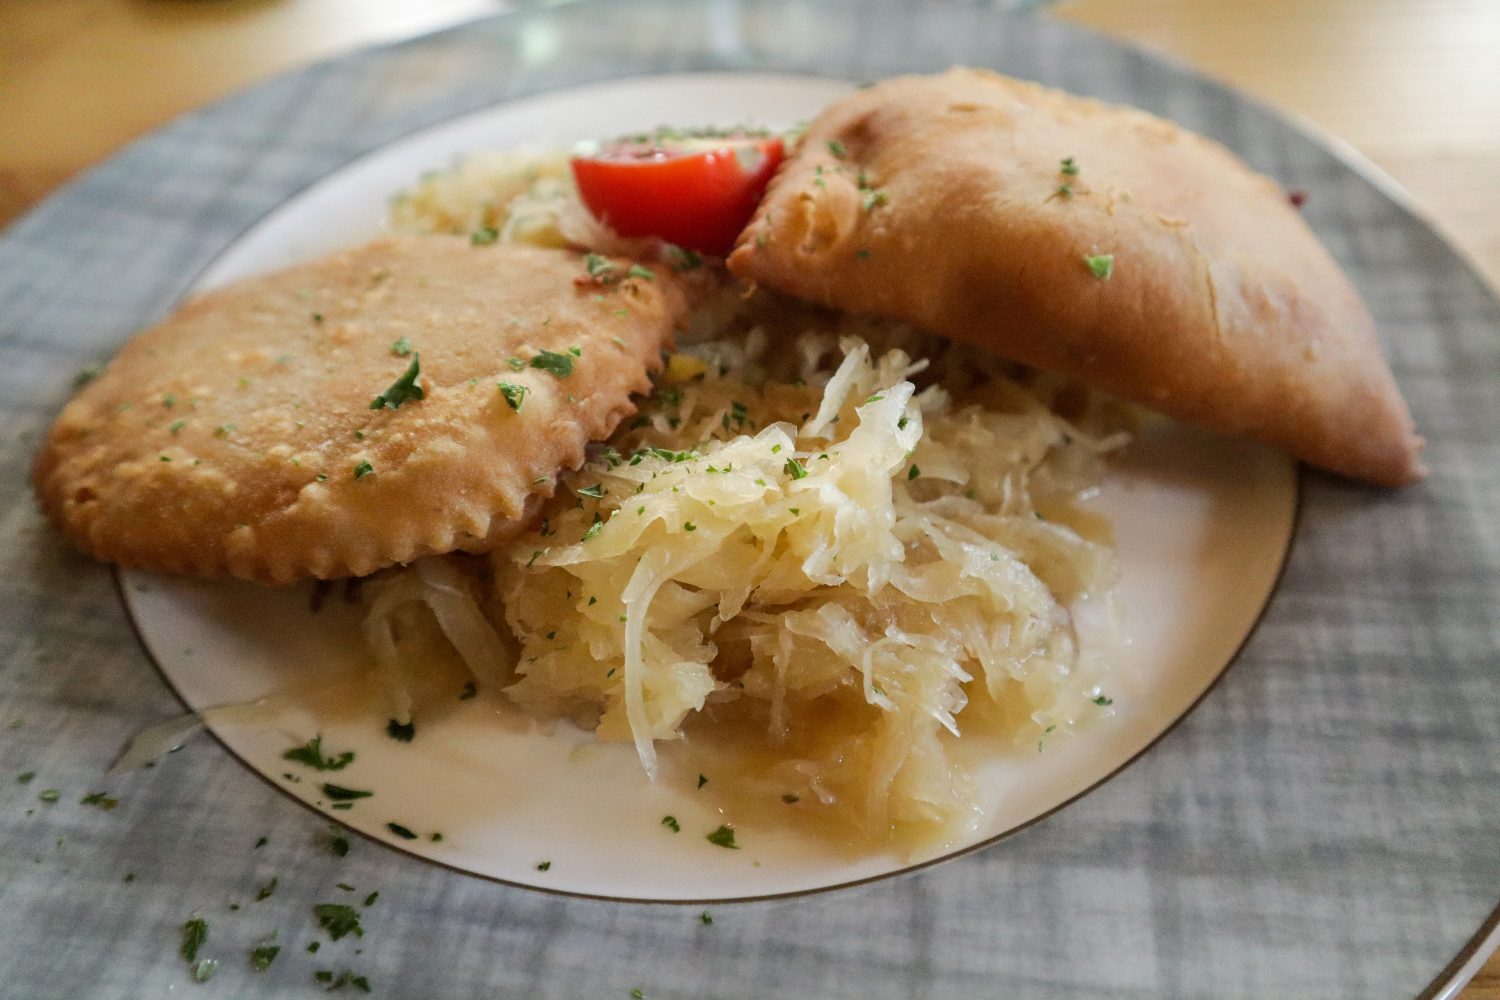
{"x":1089,"y":239}
{"x":413,"y":396}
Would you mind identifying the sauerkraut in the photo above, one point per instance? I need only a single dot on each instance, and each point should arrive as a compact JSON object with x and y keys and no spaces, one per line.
{"x":826,"y":547}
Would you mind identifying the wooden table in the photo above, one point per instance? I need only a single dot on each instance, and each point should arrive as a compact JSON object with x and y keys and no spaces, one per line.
{"x":1414,"y":86}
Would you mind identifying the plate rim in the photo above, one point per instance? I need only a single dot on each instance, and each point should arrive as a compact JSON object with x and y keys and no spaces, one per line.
{"x":117,"y":574}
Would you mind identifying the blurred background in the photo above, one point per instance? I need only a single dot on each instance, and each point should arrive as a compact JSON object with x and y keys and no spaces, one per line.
{"x":1413,"y":85}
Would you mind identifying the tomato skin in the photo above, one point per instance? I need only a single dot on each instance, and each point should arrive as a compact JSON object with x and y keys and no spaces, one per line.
{"x":698,"y":198}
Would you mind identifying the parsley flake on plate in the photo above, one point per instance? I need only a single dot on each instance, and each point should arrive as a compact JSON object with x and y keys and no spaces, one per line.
{"x":338,"y":793}
{"x":1102,"y":265}
{"x":401,"y":731}
{"x":311,"y":754}
{"x":723,"y":837}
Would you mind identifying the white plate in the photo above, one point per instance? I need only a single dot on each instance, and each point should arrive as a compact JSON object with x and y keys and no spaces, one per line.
{"x":1203,"y":525}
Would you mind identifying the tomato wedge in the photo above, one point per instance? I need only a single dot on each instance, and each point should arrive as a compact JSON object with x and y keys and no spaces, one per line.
{"x":697,"y":190}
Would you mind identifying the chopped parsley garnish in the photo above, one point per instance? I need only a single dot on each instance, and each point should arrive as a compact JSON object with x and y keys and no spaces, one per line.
{"x":345,"y":978}
{"x":837,"y":149}
{"x":705,"y":918}
{"x":872,"y":199}
{"x":515,"y":364}
{"x":790,"y":799}
{"x":1045,"y":733}
{"x":689,"y":526}
{"x":24,"y":778}
{"x":401,"y":731}
{"x":49,"y":795}
{"x":877,"y":397}
{"x":638,"y":271}
{"x":513,"y":394}
{"x":602,"y":270}
{"x":263,"y":955}
{"x":262,"y":842}
{"x":176,"y":426}
{"x":264,"y":892}
{"x":723,"y":837}
{"x":1102,"y":265}
{"x":311,"y":754}
{"x":637,"y":994}
{"x":470,"y":690}
{"x":553,"y":363}
{"x":401,"y":831}
{"x":1103,"y":701}
{"x":87,"y":375}
{"x":544,"y":866}
{"x":667,"y":455}
{"x":403,"y":390}
{"x":313,"y":946}
{"x":337,"y":842}
{"x":670,"y":822}
{"x":596,"y":491}
{"x":339,"y":793}
{"x":370,"y":899}
{"x":594,"y":528}
{"x":204,"y":970}
{"x":795,"y":469}
{"x":913,"y":473}
{"x":194,"y":934}
{"x":683,"y":259}
{"x":1068,"y":166}
{"x":702,"y":780}
{"x":338,"y":920}
{"x":402,"y":347}
{"x":484,"y":235}
{"x":901,"y":424}
{"x":363,"y":469}
{"x":99,"y":799}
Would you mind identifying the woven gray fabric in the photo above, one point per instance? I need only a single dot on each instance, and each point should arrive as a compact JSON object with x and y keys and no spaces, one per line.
{"x":1325,"y":824}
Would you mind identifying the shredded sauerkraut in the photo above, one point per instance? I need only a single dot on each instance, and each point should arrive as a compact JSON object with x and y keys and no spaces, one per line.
{"x":840,"y":542}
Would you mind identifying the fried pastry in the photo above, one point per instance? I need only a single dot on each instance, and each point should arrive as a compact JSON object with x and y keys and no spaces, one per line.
{"x":413,"y":396}
{"x":1089,"y":239}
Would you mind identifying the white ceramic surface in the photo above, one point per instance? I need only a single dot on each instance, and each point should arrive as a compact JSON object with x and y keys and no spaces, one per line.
{"x":1203,"y":525}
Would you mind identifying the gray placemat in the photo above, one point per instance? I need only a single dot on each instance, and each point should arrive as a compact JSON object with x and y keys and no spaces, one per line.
{"x":1325,"y":824}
